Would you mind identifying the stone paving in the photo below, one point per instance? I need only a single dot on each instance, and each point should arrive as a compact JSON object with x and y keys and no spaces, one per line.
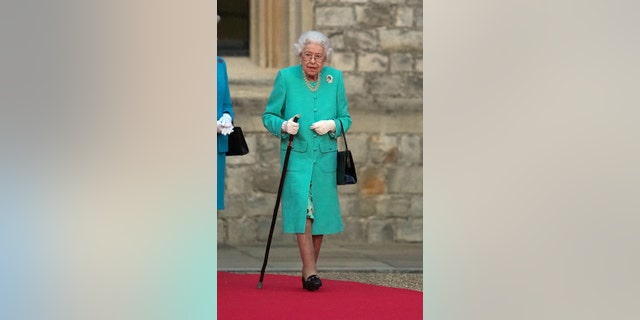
{"x":391,"y":264}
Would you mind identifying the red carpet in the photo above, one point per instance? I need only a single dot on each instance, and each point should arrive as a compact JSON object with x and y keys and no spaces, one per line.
{"x":282,"y":297}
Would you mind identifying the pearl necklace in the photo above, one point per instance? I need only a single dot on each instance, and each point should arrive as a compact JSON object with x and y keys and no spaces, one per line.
{"x":306,"y":81}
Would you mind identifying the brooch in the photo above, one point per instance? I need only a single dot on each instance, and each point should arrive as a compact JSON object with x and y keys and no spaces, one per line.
{"x":329,"y":78}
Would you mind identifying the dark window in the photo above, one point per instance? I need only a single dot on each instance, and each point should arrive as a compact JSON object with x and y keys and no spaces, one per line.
{"x":233,"y":29}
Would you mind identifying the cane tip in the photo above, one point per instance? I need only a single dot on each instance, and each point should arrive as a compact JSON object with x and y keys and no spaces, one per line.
{"x":259,"y":286}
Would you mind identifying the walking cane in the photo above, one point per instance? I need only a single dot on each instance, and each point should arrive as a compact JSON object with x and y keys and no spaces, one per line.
{"x":275,"y":209}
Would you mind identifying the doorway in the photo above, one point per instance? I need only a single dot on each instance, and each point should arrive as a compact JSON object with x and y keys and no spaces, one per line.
{"x":233,"y":29}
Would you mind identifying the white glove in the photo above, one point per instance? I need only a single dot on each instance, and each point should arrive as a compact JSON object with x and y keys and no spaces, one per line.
{"x":290,"y":126}
{"x":323,"y":126}
{"x":225,"y":126}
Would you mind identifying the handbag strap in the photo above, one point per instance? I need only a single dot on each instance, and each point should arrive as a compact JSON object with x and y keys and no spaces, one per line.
{"x":344,"y":136}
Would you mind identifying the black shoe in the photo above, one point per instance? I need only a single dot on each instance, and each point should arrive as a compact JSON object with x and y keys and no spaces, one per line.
{"x":312,"y":283}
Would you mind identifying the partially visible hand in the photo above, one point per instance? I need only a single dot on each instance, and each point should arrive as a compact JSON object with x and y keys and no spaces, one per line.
{"x":323,"y":126}
{"x":290,"y":126}
{"x":226,"y":130}
{"x":225,"y":120}
{"x":225,"y":125}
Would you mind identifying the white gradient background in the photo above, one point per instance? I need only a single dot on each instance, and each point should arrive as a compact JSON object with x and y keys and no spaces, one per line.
{"x":107,"y":177}
{"x":531,"y":159}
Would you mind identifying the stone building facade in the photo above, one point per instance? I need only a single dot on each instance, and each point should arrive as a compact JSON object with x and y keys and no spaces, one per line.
{"x":378,"y":45}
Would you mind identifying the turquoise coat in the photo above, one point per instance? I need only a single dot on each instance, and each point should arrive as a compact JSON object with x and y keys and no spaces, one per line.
{"x":224,"y":105}
{"x":313,"y":157}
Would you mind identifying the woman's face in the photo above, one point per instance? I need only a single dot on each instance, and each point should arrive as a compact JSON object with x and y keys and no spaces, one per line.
{"x":312,"y":58}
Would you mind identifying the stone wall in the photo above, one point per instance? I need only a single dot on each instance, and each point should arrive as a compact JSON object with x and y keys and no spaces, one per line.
{"x":378,"y":45}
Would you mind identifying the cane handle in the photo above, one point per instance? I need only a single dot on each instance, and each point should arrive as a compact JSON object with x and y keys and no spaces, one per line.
{"x":295,"y":119}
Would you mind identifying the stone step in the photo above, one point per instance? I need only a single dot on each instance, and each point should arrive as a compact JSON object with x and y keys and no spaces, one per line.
{"x":243,"y":71}
{"x":250,"y":87}
{"x":363,"y":122}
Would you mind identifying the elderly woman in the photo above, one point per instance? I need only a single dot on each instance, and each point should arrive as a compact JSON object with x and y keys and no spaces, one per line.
{"x":316,"y":93}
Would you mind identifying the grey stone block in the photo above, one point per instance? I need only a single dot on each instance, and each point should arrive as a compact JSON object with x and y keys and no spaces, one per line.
{"x":373,"y":15}
{"x":367,"y":206}
{"x":381,"y":231}
{"x":383,"y":149}
{"x":372,"y":183}
{"x":235,"y":185}
{"x":388,"y":1}
{"x":405,"y":180}
{"x":362,"y":40}
{"x":404,"y":17}
{"x":402,"y":105}
{"x":355,"y":1}
{"x":337,"y":41}
{"x":221,"y":231}
{"x":353,"y":229}
{"x":335,"y":16}
{"x":401,"y":62}
{"x":409,"y":230}
{"x":345,"y":61}
{"x":242,"y":231}
{"x":416,"y":209}
{"x":357,"y":145}
{"x":355,"y":85}
{"x":266,"y":178}
{"x":418,"y":15}
{"x":393,"y":206}
{"x":260,"y":204}
{"x":410,"y":150}
{"x":264,"y":225}
{"x":387,"y":85}
{"x":372,"y":62}
{"x":400,"y":40}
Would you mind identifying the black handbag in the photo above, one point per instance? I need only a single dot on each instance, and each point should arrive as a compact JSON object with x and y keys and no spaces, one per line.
{"x":346,"y":169}
{"x":237,"y":144}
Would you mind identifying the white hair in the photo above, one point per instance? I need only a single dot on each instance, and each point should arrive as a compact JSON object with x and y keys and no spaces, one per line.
{"x":315,"y":37}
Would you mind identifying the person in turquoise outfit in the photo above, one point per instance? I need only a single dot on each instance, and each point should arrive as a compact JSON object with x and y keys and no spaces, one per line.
{"x":224,"y":125}
{"x":315,"y":92}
